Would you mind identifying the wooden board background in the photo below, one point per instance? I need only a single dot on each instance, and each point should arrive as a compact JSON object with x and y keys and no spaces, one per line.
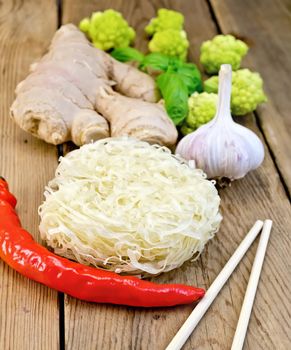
{"x":29,"y":312}
{"x":34,"y":317}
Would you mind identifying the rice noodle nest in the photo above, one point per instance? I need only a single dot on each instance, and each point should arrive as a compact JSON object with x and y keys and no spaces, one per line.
{"x":130,"y":207}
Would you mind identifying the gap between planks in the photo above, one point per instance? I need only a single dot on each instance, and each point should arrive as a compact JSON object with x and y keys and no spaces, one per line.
{"x":60,"y":152}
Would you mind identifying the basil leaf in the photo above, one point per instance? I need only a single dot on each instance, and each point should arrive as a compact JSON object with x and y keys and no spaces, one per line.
{"x":125,"y":54}
{"x":156,"y":61}
{"x":175,"y":63}
{"x":191,"y":76}
{"x":175,"y":94}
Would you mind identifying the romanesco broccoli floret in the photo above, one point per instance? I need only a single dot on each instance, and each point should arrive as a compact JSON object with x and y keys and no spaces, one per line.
{"x":166,"y":19}
{"x":222,"y":49}
{"x":202,"y":108}
{"x":185,"y":130}
{"x":246,"y":93}
{"x":108,"y":30}
{"x":170,"y":42}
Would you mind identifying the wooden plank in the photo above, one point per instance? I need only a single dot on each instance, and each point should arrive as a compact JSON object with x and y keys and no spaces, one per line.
{"x":96,"y":326}
{"x":138,"y":13}
{"x":259,"y":195}
{"x":28,"y":311}
{"x":266,"y":27}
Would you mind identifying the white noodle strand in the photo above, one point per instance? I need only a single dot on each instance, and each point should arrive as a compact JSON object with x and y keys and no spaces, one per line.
{"x":127,"y":206}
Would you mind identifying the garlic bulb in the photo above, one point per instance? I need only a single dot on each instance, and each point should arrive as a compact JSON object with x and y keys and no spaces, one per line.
{"x":223,"y":148}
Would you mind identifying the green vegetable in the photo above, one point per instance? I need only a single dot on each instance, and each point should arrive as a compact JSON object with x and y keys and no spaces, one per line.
{"x":175,"y":94}
{"x":222,"y":49}
{"x":191,"y":77}
{"x":107,"y":30}
{"x":170,"y":42}
{"x":153,"y":60}
{"x":84,"y":25}
{"x":177,"y":79}
{"x":188,"y":72}
{"x":169,"y":37}
{"x":185,"y":130}
{"x":157,"y":61}
{"x":247,"y":91}
{"x":166,"y":19}
{"x":126,"y":54}
{"x":202,"y":108}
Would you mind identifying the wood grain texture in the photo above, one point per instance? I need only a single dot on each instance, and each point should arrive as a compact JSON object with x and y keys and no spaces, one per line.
{"x":28,"y":311}
{"x":259,"y":195}
{"x":266,"y":27}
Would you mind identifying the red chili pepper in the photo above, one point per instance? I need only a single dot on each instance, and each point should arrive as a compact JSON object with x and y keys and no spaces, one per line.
{"x":19,"y":250}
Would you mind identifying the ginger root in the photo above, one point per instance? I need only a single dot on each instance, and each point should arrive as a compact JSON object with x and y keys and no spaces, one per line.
{"x":139,"y":119}
{"x":68,"y":96}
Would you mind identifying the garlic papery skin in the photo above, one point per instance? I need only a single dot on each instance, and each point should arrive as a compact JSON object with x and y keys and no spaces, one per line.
{"x":223,"y":148}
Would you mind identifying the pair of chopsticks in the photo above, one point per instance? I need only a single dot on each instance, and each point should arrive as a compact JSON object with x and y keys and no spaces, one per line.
{"x":188,"y":327}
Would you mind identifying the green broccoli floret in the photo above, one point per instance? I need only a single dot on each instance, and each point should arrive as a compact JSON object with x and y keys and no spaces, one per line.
{"x":84,"y":25}
{"x":170,"y":42}
{"x":185,"y":130}
{"x":222,"y":49}
{"x":166,"y":19}
{"x":107,"y":30}
{"x":202,"y":108}
{"x":246,"y":93}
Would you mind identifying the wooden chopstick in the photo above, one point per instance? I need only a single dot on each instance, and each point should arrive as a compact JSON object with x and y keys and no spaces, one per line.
{"x":249,"y":298}
{"x":185,"y":331}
